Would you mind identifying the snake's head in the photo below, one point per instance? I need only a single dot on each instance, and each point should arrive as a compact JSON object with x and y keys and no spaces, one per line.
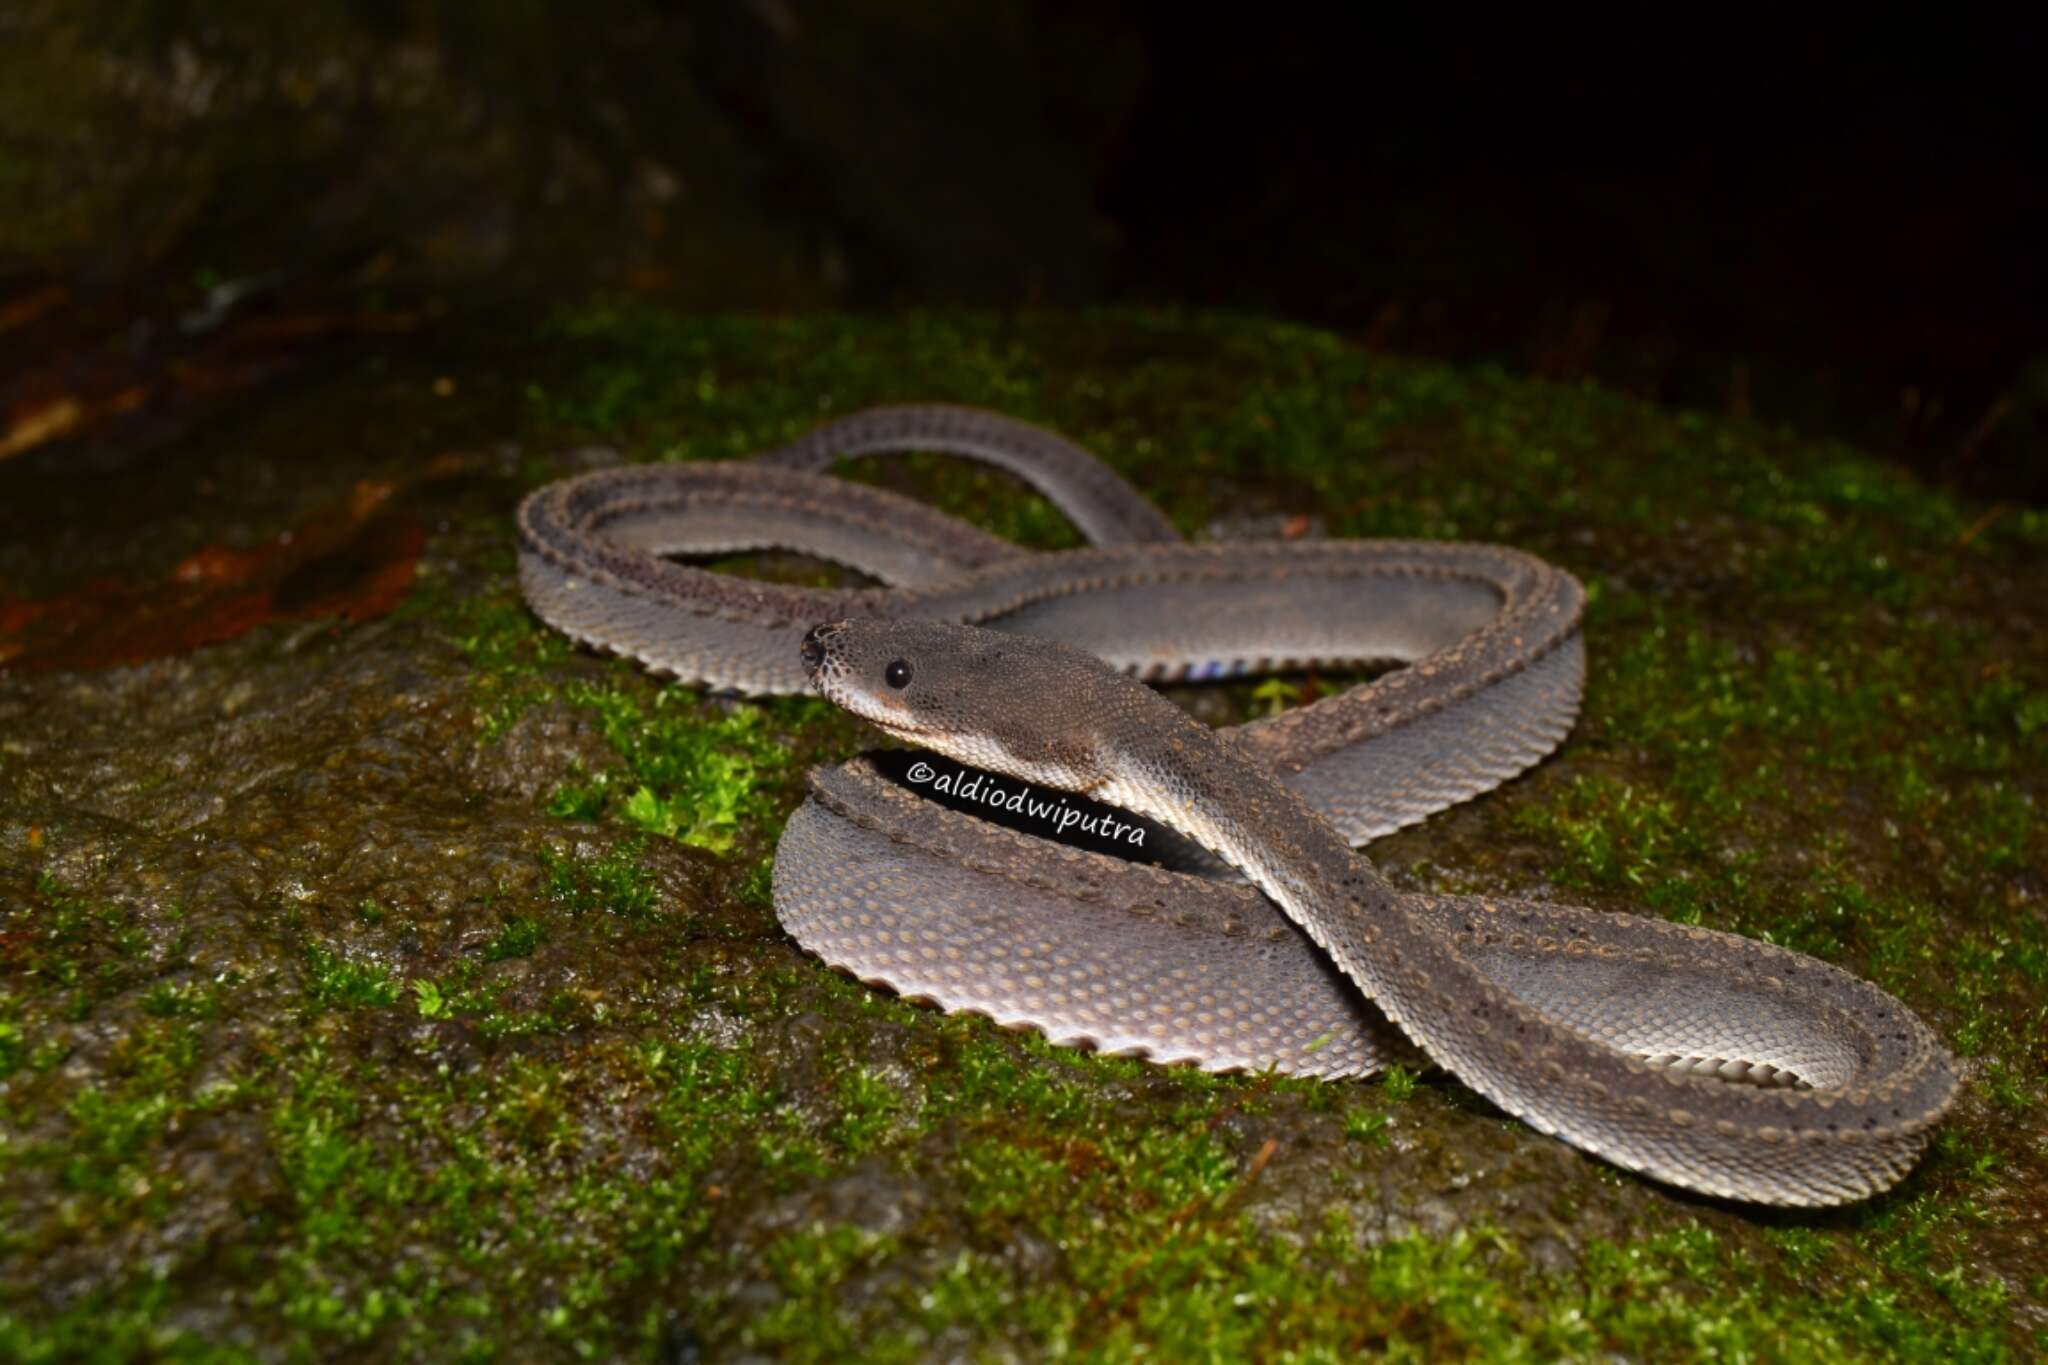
{"x":1013,"y":704}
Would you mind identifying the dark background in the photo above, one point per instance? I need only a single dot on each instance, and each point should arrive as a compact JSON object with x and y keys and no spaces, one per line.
{"x":1834,"y":224}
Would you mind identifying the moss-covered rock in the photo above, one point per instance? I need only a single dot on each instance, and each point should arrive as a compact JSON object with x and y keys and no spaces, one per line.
{"x":412,"y":986}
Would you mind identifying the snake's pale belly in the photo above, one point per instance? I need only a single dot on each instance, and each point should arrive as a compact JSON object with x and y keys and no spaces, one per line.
{"x":1706,"y":1060}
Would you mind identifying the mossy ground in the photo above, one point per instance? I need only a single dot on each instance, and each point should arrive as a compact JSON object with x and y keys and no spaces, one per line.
{"x":415,"y":989}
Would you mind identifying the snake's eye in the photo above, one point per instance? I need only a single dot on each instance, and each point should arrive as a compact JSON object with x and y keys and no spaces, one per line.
{"x":897,"y":674}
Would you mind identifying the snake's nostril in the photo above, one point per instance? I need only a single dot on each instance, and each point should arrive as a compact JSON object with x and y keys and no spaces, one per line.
{"x":812,"y":649}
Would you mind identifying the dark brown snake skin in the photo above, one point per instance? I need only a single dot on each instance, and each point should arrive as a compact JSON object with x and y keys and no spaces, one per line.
{"x":1703,"y":1059}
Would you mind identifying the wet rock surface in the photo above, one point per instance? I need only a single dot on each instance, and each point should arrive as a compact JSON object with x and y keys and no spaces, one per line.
{"x":410,"y":985}
{"x":741,"y":157}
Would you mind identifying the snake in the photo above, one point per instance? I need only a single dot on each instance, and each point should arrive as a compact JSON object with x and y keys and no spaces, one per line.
{"x":1221,"y":915}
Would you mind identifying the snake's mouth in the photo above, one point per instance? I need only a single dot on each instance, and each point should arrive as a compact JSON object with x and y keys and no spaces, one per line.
{"x":890,"y":727}
{"x":911,"y":734}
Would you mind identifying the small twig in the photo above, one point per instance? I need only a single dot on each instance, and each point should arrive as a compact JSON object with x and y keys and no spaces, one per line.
{"x":1967,"y":452}
{"x":1982,"y":524}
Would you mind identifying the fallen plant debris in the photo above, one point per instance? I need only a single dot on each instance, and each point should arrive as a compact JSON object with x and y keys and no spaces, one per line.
{"x":355,"y":562}
{"x":129,"y":383}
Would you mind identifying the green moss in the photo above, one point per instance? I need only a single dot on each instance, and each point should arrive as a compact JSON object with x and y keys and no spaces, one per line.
{"x":867,"y":1110}
{"x":1216,"y":1289}
{"x":14,"y":1045}
{"x":1398,"y":1082}
{"x":683,"y":775}
{"x":168,"y":999}
{"x":757,"y":888}
{"x":111,"y":1326}
{"x":339,"y":982}
{"x":508,"y":653}
{"x":615,"y":881}
{"x":520,"y":936}
{"x":1366,"y":1125}
{"x":88,"y":951}
{"x":113,"y":1127}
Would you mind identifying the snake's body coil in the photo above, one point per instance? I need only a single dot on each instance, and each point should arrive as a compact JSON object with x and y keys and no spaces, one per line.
{"x":1704,"y":1059}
